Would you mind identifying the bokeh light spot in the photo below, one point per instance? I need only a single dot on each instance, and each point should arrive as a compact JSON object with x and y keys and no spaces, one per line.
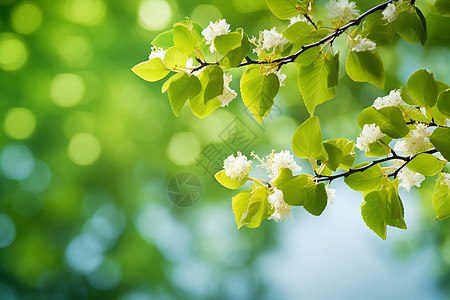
{"x":204,"y":13}
{"x":75,"y":49}
{"x":107,"y":276}
{"x":39,"y":179}
{"x":26,"y":17}
{"x":85,"y":12}
{"x":13,"y":53}
{"x":84,"y":149}
{"x":7,"y":230}
{"x":155,"y":14}
{"x":16,"y":161}
{"x":19,"y":123}
{"x":83,"y":254}
{"x":67,"y":89}
{"x":183,"y":148}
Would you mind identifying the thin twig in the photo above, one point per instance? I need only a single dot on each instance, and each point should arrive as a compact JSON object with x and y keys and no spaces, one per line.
{"x":393,"y":156}
{"x":331,"y":37}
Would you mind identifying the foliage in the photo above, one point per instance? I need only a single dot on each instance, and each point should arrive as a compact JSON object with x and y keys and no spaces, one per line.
{"x":386,"y":121}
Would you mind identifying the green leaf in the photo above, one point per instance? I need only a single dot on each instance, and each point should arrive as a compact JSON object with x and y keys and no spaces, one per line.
{"x":423,"y":88}
{"x":440,"y":138}
{"x":335,"y":155}
{"x":235,"y":56}
{"x":185,"y":36}
{"x":365,"y":66}
{"x":300,"y":34}
{"x":396,"y":211}
{"x":316,"y":81}
{"x":227,"y":42}
{"x":229,"y":183}
{"x":239,"y":204}
{"x":378,"y":30}
{"x":411,"y":26}
{"x":258,"y":92}
{"x":441,"y":199}
{"x":379,"y":149}
{"x":374,"y":212}
{"x":340,"y":153}
{"x":152,"y":70}
{"x":426,"y":164}
{"x":164,"y":40}
{"x":283,"y":9}
{"x":181,"y":88}
{"x":307,"y":140}
{"x":316,"y":198}
{"x":175,"y":58}
{"x":443,"y":7}
{"x":389,"y":119}
{"x":443,"y":103}
{"x":214,"y":87}
{"x":294,"y":189}
{"x":284,"y":176}
{"x":364,"y":181}
{"x":200,"y":105}
{"x":407,"y":98}
{"x":251,"y":207}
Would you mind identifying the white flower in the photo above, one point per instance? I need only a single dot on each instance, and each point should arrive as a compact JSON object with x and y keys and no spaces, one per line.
{"x":157,"y":52}
{"x":363,"y":44}
{"x":331,"y":195}
{"x":282,"y":209}
{"x":393,"y":99}
{"x":342,"y":10}
{"x":274,"y":162}
{"x":418,"y":141}
{"x":237,"y":168}
{"x":445,"y":179}
{"x":228,"y":94}
{"x":370,"y":134}
{"x":409,"y":178}
{"x":390,"y":13}
{"x":215,"y":29}
{"x":273,"y":39}
{"x":296,"y":19}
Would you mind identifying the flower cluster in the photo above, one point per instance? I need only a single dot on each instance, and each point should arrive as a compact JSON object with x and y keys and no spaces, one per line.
{"x":228,"y":94}
{"x":269,"y":39}
{"x":215,"y":29}
{"x":409,"y":178}
{"x":390,"y":14}
{"x":237,"y":168}
{"x":417,"y":141}
{"x":393,"y":99}
{"x":282,"y":209}
{"x":446,"y":179}
{"x":370,"y":134}
{"x":363,"y":44}
{"x":342,"y":10}
{"x":274,"y":162}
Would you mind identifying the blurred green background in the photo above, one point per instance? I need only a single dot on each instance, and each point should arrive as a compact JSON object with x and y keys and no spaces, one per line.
{"x":88,"y":151}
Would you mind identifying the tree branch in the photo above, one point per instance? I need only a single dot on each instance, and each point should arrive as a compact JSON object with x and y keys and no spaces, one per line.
{"x":331,"y":37}
{"x":394,"y":155}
